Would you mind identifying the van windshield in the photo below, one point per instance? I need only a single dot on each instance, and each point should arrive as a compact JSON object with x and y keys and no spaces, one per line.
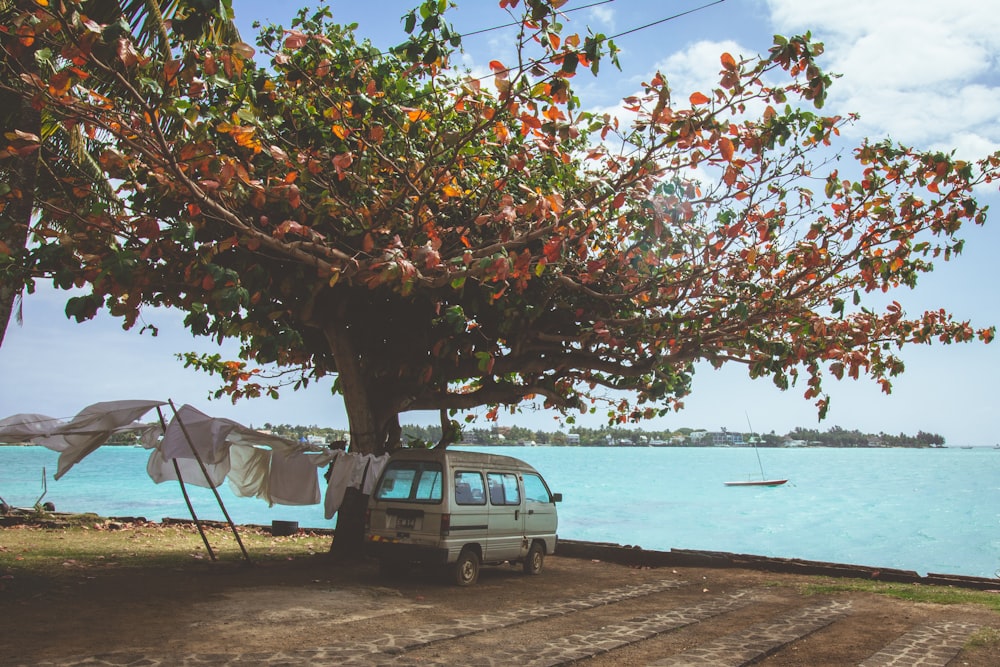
{"x":411,"y":481}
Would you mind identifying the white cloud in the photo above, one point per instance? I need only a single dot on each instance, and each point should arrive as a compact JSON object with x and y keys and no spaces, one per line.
{"x":697,"y":67}
{"x":918,"y":71}
{"x":603,"y":16}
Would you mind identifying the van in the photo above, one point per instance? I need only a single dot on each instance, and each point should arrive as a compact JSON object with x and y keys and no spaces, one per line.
{"x":462,"y":510}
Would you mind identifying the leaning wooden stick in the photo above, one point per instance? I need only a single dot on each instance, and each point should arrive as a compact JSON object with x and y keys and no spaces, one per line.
{"x":208,"y":479}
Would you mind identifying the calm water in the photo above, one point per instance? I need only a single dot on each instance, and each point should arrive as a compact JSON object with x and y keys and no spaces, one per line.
{"x":924,"y":510}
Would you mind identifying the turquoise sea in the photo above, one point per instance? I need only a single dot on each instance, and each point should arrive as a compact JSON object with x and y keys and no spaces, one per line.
{"x":928,"y":510}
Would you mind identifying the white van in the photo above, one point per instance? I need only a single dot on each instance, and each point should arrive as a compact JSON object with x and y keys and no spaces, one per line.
{"x":461,"y":509}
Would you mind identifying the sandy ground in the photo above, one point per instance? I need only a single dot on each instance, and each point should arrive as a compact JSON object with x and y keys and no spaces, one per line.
{"x":232,"y":608}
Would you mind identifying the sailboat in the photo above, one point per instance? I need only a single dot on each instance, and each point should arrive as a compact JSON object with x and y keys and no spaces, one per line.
{"x":763,"y":481}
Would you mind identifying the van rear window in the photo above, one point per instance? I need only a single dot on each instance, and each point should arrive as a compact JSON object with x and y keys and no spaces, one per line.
{"x":411,"y":481}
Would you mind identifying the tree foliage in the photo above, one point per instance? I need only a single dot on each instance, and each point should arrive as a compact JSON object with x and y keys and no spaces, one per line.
{"x":443,"y":242}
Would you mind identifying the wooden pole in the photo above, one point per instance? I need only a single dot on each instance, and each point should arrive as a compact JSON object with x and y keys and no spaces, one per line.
{"x":208,"y":479}
{"x":187,"y":500}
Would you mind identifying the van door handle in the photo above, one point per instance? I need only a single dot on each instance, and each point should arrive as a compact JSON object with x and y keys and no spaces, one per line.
{"x":517,"y":514}
{"x":530,"y":512}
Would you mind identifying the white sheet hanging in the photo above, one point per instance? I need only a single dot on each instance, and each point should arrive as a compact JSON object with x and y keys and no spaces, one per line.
{"x":350,"y":470}
{"x":250,"y":467}
{"x":191,"y":427}
{"x":161,"y":469}
{"x":294,"y":478}
{"x":92,"y":427}
{"x":27,"y":427}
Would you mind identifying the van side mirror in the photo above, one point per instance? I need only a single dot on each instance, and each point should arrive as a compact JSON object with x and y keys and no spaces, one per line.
{"x":557,"y":497}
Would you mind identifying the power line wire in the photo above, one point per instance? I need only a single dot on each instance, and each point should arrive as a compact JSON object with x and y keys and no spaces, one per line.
{"x":669,"y":18}
{"x":605,"y":39}
{"x":516,"y":23}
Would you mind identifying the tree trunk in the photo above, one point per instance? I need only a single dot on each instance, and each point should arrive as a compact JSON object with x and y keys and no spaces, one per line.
{"x":15,"y":217}
{"x":367,"y":435}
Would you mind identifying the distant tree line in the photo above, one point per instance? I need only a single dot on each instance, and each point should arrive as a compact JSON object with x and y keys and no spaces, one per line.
{"x":838,"y":437}
{"x":596,"y":437}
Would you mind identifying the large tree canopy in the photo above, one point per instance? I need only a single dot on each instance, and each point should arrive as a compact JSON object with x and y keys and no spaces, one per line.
{"x":439,"y":241}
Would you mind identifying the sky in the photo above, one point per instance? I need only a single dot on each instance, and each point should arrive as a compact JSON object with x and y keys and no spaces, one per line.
{"x":916,"y":74}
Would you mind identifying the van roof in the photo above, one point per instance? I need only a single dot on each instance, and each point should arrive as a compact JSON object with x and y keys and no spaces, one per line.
{"x":456,"y":458}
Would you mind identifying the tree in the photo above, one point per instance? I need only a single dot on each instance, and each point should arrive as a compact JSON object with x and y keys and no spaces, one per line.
{"x":438,"y":244}
{"x":30,"y":162}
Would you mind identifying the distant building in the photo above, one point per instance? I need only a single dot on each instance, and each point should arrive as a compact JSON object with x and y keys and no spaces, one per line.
{"x":726,"y":439}
{"x":572,"y":438}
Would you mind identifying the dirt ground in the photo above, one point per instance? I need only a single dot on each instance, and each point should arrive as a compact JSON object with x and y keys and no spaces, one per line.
{"x":231,"y":608}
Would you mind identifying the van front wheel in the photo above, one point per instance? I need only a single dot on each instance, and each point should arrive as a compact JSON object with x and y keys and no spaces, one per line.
{"x":466,"y":569}
{"x":535,"y":559}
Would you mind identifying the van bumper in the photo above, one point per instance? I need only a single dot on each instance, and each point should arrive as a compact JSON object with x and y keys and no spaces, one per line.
{"x":406,"y":553}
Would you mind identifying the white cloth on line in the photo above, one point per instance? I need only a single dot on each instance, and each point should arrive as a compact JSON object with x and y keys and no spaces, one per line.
{"x":161,"y":469}
{"x":294,"y":478}
{"x":350,"y":470}
{"x":249,"y":470}
{"x":92,"y":427}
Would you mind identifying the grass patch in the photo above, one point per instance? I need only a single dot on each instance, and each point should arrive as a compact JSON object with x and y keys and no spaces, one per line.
{"x":984,"y":638}
{"x":909,"y":592}
{"x":87,"y":541}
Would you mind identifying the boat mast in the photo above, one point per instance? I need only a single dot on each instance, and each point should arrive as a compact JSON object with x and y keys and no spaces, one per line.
{"x":753,"y":441}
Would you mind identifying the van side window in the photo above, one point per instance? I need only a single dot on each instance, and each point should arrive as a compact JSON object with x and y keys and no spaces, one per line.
{"x":503,"y":488}
{"x":469,"y":488}
{"x":418,"y":481}
{"x":535,"y":490}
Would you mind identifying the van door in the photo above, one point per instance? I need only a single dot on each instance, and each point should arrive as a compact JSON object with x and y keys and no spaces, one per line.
{"x":506,"y":520}
{"x":541,"y":519}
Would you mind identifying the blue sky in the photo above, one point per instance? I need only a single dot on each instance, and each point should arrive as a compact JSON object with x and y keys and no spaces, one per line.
{"x":915,"y":74}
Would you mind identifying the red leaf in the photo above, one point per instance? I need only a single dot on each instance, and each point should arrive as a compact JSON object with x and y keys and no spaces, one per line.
{"x":295,"y":40}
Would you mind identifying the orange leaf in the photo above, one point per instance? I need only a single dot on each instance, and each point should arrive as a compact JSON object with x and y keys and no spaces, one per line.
{"x":726,"y":148}
{"x":26,"y":34}
{"x":416,"y":115}
{"x":728,"y":62}
{"x":699,"y":98}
